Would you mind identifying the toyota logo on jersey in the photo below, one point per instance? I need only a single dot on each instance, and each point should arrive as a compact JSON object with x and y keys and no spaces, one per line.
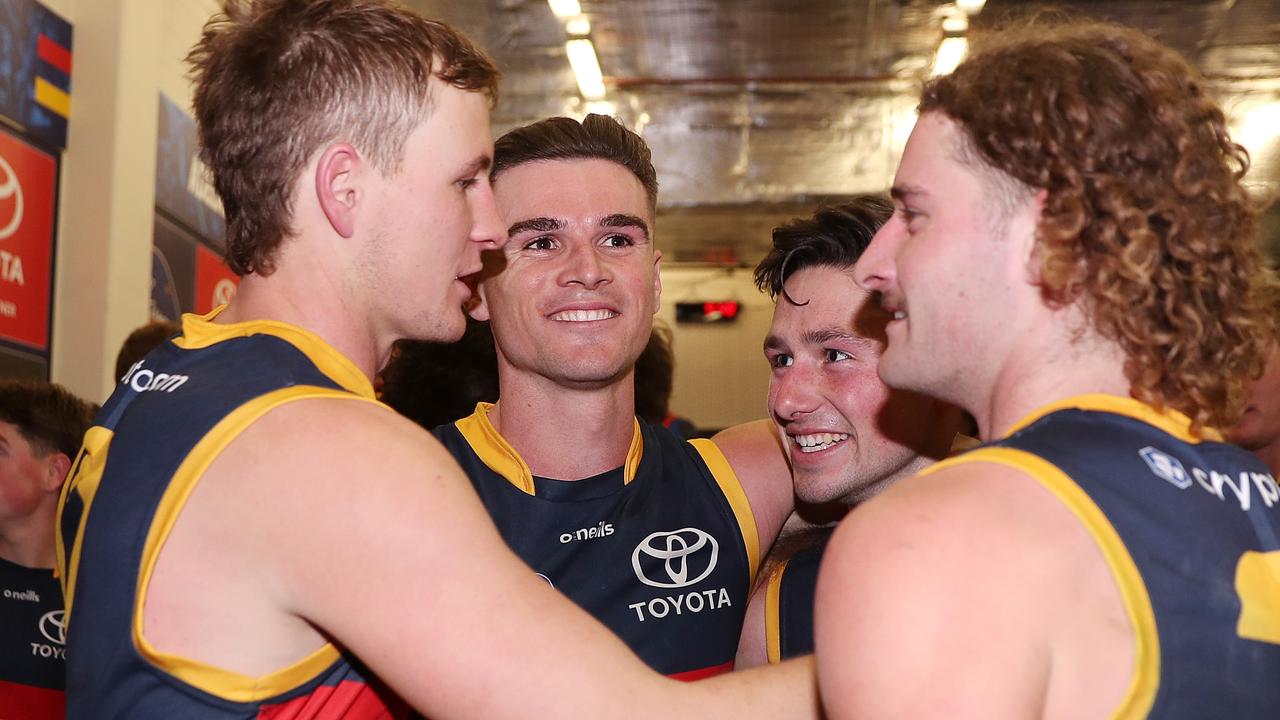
{"x":11,"y":206}
{"x":675,"y":559}
{"x":53,"y":625}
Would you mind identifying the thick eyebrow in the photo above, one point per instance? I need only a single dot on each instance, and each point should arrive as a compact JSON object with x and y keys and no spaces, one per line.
{"x":538,"y":224}
{"x":902,"y":192}
{"x":477,"y":166}
{"x":621,"y":220}
{"x":822,"y":336}
{"x":773,"y":342}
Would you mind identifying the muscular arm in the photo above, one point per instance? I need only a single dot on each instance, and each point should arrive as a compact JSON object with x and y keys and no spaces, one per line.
{"x":755,"y":452}
{"x":363,"y":526}
{"x":925,"y":609}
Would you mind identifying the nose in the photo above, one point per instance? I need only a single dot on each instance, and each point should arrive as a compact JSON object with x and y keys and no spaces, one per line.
{"x":583,"y":265}
{"x":487,"y":226}
{"x":793,"y":394}
{"x":874,"y":270}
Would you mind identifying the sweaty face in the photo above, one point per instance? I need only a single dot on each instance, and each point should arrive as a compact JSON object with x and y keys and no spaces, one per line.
{"x":846,"y":432}
{"x":953,"y":276}
{"x":572,"y":296}
{"x":1259,"y":427}
{"x":430,"y":220}
{"x":22,"y":473}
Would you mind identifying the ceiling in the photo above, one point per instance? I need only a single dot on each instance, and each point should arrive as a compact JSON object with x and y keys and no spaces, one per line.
{"x":758,"y":109}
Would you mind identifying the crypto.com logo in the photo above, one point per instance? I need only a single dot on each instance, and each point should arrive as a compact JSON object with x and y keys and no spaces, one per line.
{"x":53,"y":625}
{"x":10,"y":188}
{"x":677,"y":550}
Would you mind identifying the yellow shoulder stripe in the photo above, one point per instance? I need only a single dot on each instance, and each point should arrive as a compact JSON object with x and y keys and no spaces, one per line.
{"x":217,"y":681}
{"x":200,"y":331}
{"x":1146,"y":675}
{"x":773,"y":614}
{"x":1168,"y":419}
{"x":729,"y":484}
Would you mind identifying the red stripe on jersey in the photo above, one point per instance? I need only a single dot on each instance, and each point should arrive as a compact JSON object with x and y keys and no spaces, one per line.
{"x":24,"y":702}
{"x":690,"y":675}
{"x":348,"y":700}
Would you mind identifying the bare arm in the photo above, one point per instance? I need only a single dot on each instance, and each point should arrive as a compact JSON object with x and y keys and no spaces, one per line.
{"x":402,"y":565}
{"x":755,"y":452}
{"x":752,"y":644}
{"x":931,"y":603}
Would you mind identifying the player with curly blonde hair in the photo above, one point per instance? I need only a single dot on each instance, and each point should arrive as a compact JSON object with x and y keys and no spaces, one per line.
{"x":1074,"y":260}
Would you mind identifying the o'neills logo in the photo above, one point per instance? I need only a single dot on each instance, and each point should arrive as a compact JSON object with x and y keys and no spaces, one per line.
{"x":28,"y":595}
{"x":600,"y":530}
{"x":141,"y":379}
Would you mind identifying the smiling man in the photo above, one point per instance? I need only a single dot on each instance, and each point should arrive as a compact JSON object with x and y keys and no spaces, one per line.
{"x":847,"y":435}
{"x":657,"y":537}
{"x":1074,"y":260}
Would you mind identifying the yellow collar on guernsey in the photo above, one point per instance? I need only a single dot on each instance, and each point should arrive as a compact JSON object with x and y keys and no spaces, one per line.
{"x":1168,"y":419}
{"x":200,"y":332}
{"x":496,"y":453}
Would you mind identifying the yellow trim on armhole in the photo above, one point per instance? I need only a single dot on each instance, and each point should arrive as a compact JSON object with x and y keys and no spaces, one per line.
{"x":82,"y":479}
{"x":1137,"y":603}
{"x":729,"y":484}
{"x":773,"y":614}
{"x":213,"y":680}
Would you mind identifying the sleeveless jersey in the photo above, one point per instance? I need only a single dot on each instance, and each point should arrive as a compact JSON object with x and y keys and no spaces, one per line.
{"x":788,"y":601}
{"x":170,"y":416}
{"x":1191,"y":531}
{"x":32,"y":644}
{"x":662,"y":550}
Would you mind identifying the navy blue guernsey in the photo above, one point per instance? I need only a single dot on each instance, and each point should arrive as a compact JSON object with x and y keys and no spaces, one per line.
{"x":168,"y":419}
{"x":661,"y":550}
{"x":32,"y":644}
{"x":788,"y":600}
{"x":1191,"y":531}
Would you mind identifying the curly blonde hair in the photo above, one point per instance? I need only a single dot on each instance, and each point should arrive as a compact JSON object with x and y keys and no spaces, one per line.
{"x":1146,"y":222}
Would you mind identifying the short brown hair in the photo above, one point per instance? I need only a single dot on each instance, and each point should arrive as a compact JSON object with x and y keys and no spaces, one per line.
{"x":277,"y":79}
{"x":597,"y":137}
{"x":1146,"y":222}
{"x":49,"y":416}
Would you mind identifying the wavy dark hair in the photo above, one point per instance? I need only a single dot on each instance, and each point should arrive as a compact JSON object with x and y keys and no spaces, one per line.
{"x":1146,"y":221}
{"x":834,"y":236}
{"x":277,"y":79}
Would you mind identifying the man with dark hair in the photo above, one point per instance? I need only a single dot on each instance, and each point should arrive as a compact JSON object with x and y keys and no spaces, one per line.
{"x":655,"y":379}
{"x":1073,"y":259}
{"x":247,"y":532}
{"x":657,"y":537}
{"x":141,"y":342}
{"x":40,"y":428}
{"x":847,"y":435}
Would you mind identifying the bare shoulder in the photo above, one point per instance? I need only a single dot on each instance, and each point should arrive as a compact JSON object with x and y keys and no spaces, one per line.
{"x":950,"y":579}
{"x":755,"y":453}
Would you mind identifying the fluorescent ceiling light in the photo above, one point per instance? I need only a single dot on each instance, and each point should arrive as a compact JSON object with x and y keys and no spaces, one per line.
{"x":950,"y":53}
{"x":578,"y":26}
{"x":971,"y":7}
{"x":565,"y":8}
{"x":1260,"y":127}
{"x":955,"y":24}
{"x":586,"y":68}
{"x":601,"y":107}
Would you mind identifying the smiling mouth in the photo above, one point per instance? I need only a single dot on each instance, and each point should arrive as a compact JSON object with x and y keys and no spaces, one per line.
{"x":818,"y":441}
{"x":583,"y":315}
